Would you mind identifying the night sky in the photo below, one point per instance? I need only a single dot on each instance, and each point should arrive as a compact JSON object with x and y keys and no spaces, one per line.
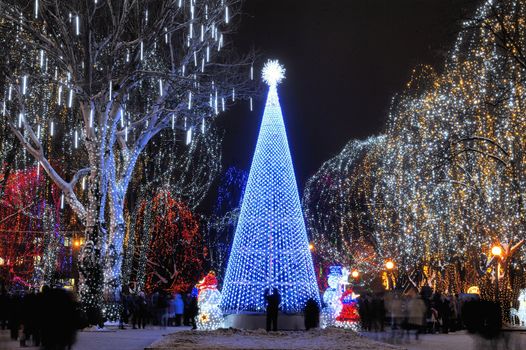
{"x":345,"y":59}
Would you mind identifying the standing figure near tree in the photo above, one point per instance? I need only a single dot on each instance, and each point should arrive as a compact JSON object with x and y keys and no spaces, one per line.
{"x":273,"y":299}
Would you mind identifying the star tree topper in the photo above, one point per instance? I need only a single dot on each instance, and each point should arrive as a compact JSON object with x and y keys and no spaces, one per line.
{"x":273,"y":72}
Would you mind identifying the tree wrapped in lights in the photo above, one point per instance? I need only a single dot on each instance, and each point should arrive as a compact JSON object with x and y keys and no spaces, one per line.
{"x":337,"y":207}
{"x":107,"y":77}
{"x":169,"y":251}
{"x":450,"y":179}
{"x":26,"y":216}
{"x":270,"y":248}
{"x":221,"y":226}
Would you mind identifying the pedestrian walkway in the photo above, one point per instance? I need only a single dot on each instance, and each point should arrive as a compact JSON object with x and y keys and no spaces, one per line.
{"x":452,"y":341}
{"x":108,"y":339}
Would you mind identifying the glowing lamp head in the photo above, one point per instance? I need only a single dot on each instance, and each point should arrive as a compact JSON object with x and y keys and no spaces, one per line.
{"x":496,"y":250}
{"x":273,"y":73}
{"x":389,"y":265}
{"x":311,"y":246}
{"x":355,"y":274}
{"x":2,"y":261}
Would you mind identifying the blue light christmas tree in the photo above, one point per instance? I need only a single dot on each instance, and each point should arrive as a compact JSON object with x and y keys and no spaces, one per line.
{"x":270,"y":246}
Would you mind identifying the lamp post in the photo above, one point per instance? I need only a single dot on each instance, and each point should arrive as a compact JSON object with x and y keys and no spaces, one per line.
{"x":389,"y":265}
{"x":496,"y":251}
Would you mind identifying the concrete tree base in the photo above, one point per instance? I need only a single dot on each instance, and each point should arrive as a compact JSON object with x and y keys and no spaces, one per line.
{"x":286,"y":322}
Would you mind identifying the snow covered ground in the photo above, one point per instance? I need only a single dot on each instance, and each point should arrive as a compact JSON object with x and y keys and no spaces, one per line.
{"x":260,"y":339}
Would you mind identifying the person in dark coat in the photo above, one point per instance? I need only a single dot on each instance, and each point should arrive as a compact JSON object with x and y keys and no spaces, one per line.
{"x":61,"y":319}
{"x":193,"y":311}
{"x":15,"y":307}
{"x":312,"y":314}
{"x":273,"y":299}
{"x":4,"y":307}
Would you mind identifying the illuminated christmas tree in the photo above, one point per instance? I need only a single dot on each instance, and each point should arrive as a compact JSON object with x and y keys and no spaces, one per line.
{"x":270,"y":246}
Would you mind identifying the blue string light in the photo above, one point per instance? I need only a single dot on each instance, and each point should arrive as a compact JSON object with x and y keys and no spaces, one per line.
{"x":270,"y":246}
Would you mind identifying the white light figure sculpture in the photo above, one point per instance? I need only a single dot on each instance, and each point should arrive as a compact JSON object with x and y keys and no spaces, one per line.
{"x":270,"y":248}
{"x":521,"y":312}
{"x":331,"y":297}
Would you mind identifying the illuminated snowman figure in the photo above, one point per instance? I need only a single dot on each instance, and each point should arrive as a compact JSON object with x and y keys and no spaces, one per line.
{"x":522,"y":307}
{"x":332,"y":296}
{"x":210,"y":316}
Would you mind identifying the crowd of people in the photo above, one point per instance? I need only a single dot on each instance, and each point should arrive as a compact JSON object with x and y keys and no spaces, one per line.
{"x":426,"y":312}
{"x":49,"y":318}
{"x":160,"y":308}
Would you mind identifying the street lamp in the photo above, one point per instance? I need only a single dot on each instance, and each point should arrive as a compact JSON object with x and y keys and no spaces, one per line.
{"x":496,"y":251}
{"x":355,"y":274}
{"x":311,"y":247}
{"x":389,"y":265}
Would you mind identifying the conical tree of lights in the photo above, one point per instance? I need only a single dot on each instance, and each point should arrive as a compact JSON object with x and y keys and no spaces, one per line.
{"x":270,"y":247}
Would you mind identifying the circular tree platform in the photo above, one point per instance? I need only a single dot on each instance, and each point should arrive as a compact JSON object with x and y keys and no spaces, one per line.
{"x":318,"y":339}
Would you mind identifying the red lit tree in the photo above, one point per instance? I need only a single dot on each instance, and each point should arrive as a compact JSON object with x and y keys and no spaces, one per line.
{"x":169,"y":251}
{"x":24,"y":218}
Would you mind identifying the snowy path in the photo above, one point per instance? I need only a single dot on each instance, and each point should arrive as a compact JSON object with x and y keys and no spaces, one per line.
{"x":139,"y":339}
{"x":129,"y":339}
{"x":452,"y":341}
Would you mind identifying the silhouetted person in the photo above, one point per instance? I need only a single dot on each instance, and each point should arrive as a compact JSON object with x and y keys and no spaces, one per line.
{"x":30,"y":317}
{"x":273,"y":299}
{"x":140,"y":311}
{"x":14,"y":310}
{"x":312,"y":314}
{"x":193,"y":310}
{"x":60,"y":326}
{"x":4,"y":307}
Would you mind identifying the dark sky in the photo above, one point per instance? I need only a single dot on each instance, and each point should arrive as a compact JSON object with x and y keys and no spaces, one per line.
{"x":344,"y":59}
